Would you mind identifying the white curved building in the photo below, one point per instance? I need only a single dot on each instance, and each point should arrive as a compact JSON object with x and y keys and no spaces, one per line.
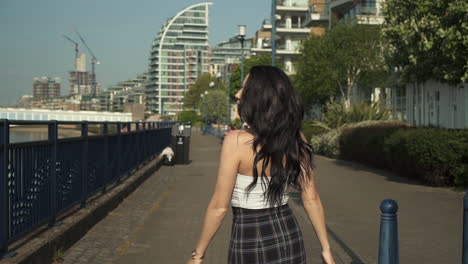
{"x":179,"y":54}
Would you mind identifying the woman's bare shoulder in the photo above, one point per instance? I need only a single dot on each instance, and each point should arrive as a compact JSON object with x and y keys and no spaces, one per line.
{"x":239,"y":137}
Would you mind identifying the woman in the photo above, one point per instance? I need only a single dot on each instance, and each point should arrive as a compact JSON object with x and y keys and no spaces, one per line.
{"x":257,"y":166}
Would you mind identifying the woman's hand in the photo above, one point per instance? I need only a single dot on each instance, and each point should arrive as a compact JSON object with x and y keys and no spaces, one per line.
{"x":327,"y":257}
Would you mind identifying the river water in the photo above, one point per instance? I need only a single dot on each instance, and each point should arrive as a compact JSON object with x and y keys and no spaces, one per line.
{"x":23,"y":136}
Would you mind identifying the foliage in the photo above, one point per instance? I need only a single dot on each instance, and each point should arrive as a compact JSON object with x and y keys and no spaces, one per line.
{"x":188,"y":116}
{"x":197,"y":124}
{"x":214,"y":105}
{"x":337,"y":114}
{"x":235,"y":79}
{"x":337,"y":62}
{"x":310,"y":130}
{"x":365,"y":143}
{"x":328,"y":144}
{"x":237,"y":123}
{"x":435,"y":156}
{"x":192,"y":98}
{"x":428,"y":39}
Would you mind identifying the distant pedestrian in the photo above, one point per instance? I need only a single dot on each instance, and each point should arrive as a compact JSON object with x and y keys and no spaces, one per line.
{"x":257,"y":165}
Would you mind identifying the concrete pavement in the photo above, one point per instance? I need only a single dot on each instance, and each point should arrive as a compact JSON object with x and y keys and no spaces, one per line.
{"x":160,"y":222}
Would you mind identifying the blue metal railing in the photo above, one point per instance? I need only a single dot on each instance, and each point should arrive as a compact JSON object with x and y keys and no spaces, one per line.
{"x":39,"y":180}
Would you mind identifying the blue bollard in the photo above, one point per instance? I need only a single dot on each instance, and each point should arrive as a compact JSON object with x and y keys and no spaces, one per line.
{"x":388,"y":249}
{"x":465,"y":229}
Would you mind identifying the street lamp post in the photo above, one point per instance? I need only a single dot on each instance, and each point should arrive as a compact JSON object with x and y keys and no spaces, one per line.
{"x":273,"y":32}
{"x":203,"y":96}
{"x":228,"y":79}
{"x":218,"y":78}
{"x":212,"y":107}
{"x":241,"y":37}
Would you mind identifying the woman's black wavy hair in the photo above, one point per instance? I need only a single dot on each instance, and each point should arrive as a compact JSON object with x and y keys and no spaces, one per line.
{"x":274,"y":111}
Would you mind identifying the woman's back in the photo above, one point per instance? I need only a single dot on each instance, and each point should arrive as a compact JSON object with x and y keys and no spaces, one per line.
{"x":247,"y":157}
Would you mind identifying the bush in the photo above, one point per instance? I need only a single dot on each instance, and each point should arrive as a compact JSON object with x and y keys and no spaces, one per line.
{"x":438,"y":157}
{"x":237,"y":123}
{"x":310,"y":130}
{"x":188,"y":116}
{"x":338,"y":115}
{"x":326,"y":144}
{"x":364,"y":142}
{"x":329,"y":144}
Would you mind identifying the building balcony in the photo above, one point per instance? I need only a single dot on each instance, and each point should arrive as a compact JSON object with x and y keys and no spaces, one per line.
{"x":280,"y":50}
{"x":196,"y":25}
{"x":369,"y":19}
{"x":341,"y":5}
{"x":192,"y":37}
{"x":194,"y":31}
{"x":280,"y":29}
{"x":281,"y":9}
{"x":317,"y":15}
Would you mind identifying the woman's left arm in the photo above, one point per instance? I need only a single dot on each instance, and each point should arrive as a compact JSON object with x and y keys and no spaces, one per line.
{"x":221,"y":198}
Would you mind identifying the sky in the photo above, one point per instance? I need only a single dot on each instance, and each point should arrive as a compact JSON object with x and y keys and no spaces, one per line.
{"x":119,"y":32}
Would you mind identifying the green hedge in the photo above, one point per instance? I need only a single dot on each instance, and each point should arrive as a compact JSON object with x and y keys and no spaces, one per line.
{"x":438,"y":157}
{"x":328,"y":144}
{"x":366,"y":143}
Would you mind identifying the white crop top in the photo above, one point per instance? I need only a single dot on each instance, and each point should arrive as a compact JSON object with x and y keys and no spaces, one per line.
{"x":253,"y":199}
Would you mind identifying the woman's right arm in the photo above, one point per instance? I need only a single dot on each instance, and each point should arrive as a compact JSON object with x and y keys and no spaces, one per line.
{"x":314,"y":209}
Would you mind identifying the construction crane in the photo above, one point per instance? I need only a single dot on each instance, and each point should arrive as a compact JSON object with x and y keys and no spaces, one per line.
{"x":94,"y":60}
{"x":77,"y":48}
{"x":77,"y":53}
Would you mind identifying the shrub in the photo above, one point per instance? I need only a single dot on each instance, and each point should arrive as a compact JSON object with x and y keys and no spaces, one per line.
{"x":436,"y":156}
{"x":326,"y":144}
{"x":364,"y":142}
{"x":338,"y":115}
{"x":188,"y":116}
{"x":310,"y":130}
{"x":329,"y":144}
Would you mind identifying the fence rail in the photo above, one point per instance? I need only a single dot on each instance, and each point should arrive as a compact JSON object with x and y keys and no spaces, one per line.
{"x":39,"y":180}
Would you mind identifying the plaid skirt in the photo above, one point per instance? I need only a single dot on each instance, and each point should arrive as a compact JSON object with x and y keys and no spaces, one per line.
{"x":270,"y":235}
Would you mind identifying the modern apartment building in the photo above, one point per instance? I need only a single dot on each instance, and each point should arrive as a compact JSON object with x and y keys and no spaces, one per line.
{"x":318,"y":16}
{"x":227,"y":53}
{"x":131,"y":91}
{"x":46,"y":88}
{"x":179,"y":54}
{"x":290,"y":31}
{"x":358,"y":11}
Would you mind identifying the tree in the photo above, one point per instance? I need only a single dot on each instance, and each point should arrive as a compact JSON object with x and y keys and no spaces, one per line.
{"x":249,"y":63}
{"x":188,"y":116}
{"x":339,"y":61}
{"x":428,"y":39}
{"x":214,"y":105}
{"x":202,"y":84}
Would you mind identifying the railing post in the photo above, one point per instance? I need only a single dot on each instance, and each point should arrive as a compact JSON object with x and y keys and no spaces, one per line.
{"x":84,"y":163}
{"x":119,"y":152}
{"x":465,"y":229}
{"x":4,"y":203}
{"x":105,"y":177}
{"x":53,"y":137}
{"x":388,"y":249}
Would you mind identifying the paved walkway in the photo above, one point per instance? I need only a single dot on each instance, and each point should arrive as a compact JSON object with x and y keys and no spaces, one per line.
{"x":160,"y":222}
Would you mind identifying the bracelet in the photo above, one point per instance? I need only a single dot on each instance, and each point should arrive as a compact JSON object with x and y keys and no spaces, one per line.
{"x":195,"y":253}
